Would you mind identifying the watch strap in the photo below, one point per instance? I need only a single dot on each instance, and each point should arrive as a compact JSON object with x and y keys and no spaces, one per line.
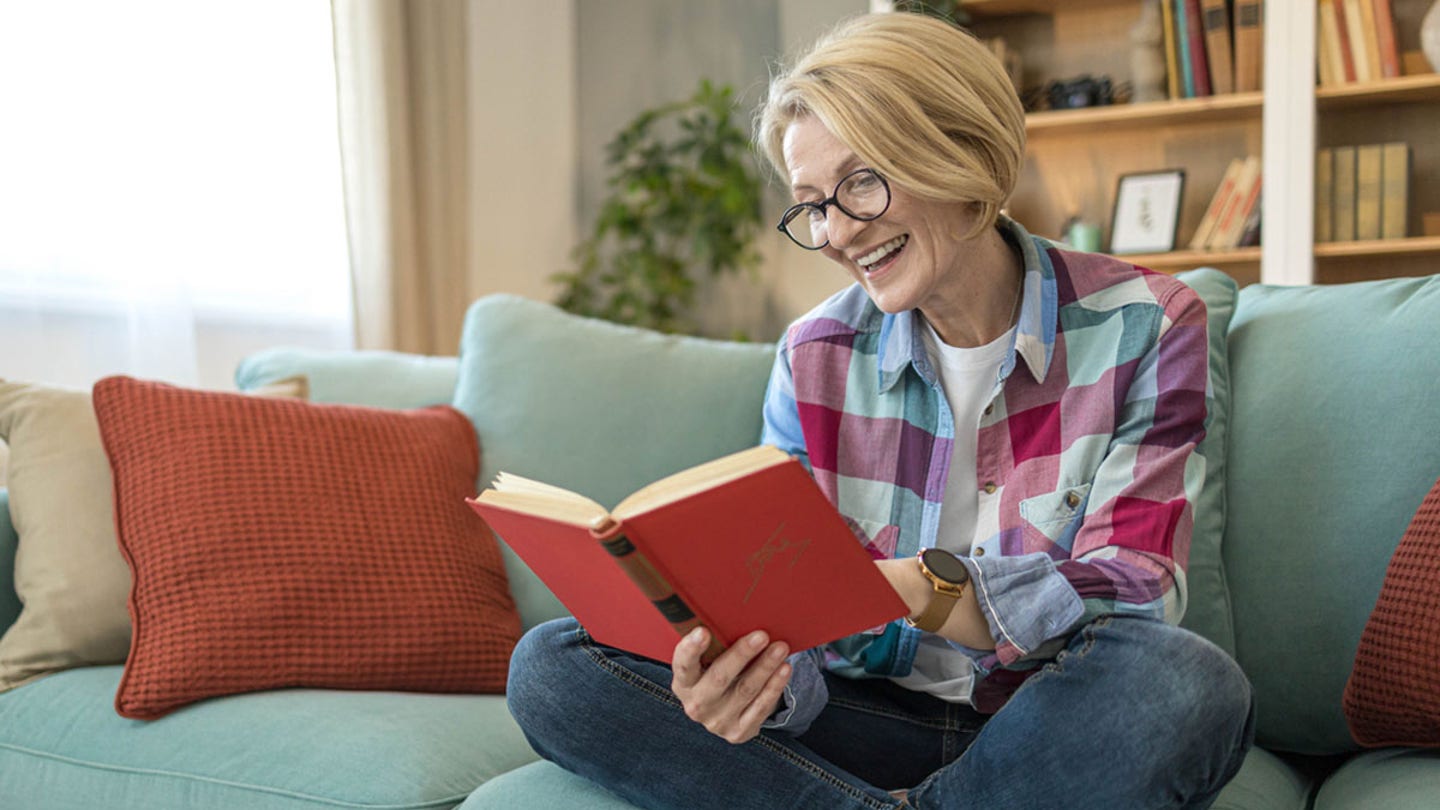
{"x":933,"y":617}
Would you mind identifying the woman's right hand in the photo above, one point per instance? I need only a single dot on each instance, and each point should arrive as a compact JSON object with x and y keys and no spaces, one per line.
{"x":740,"y":689}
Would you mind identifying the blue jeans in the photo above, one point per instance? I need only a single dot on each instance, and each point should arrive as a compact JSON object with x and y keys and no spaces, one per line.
{"x":1133,"y":713}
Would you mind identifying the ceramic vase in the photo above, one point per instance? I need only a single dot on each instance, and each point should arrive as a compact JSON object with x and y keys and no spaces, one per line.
{"x":1430,"y":36}
{"x":1147,"y":55}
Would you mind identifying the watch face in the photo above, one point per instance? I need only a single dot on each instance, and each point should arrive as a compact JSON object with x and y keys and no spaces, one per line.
{"x":945,"y":565}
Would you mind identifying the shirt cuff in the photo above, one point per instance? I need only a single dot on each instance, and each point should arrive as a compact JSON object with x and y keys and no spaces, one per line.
{"x":805,"y":696}
{"x":1025,"y":600}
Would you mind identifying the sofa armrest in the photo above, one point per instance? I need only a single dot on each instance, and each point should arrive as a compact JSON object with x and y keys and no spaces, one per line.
{"x":375,"y":378}
{"x":9,"y":541}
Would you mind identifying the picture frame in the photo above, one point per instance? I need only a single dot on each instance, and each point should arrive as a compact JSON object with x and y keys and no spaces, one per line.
{"x":1147,"y":212}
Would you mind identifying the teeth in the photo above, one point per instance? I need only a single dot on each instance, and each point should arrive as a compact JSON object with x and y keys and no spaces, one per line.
{"x":881,"y":252}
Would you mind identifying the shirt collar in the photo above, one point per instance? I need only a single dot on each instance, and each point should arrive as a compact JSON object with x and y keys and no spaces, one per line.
{"x":902,"y":346}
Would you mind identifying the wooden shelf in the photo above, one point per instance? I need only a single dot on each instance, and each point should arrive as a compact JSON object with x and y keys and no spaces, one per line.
{"x":1411,"y":246}
{"x":1006,"y":8}
{"x":1177,"y":260}
{"x":1424,"y":87}
{"x":1232,"y":106}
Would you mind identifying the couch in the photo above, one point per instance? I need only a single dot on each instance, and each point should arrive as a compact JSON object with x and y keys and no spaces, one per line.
{"x":1324,"y":437}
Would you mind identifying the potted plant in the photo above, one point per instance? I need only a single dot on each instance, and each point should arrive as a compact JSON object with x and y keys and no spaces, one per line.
{"x":684,"y":203}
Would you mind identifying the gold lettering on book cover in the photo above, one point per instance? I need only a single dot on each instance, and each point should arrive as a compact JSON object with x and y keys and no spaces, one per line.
{"x":777,"y":546}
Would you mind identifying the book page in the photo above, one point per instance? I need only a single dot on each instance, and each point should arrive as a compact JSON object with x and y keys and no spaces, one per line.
{"x":528,"y":495}
{"x":699,"y":478}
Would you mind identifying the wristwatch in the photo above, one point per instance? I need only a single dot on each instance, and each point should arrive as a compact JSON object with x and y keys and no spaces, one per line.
{"x":949,"y":576}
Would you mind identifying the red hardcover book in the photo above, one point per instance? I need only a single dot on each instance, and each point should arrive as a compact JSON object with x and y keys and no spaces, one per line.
{"x":1385,"y":39}
{"x":1195,"y":30}
{"x":746,"y":542}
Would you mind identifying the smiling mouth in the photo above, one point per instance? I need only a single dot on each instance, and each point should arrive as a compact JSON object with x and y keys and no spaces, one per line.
{"x":882,"y":255}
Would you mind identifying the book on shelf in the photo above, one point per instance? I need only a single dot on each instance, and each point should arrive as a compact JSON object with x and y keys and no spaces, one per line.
{"x":1367,"y":191}
{"x":1352,"y":36}
{"x":1324,"y":193}
{"x":1342,"y":195}
{"x":1395,"y":190}
{"x":1195,"y":36}
{"x":742,"y":543}
{"x":1182,"y":49}
{"x":1249,"y":20}
{"x":1173,"y":82}
{"x":1244,"y":199}
{"x":1250,"y":234}
{"x":1217,"y":201}
{"x":1215,"y":19}
{"x":1385,"y":38}
{"x":1372,"y":40}
{"x":1327,"y":47}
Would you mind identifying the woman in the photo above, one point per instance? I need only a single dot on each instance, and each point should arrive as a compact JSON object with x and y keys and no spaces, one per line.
{"x":1011,"y":429}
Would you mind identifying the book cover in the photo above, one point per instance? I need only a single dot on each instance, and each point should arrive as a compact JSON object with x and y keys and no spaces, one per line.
{"x":1249,"y":45}
{"x":1324,"y":192}
{"x":1367,"y":191}
{"x":1342,"y":198}
{"x":1212,"y":211}
{"x":1352,"y":35}
{"x":1215,"y":18}
{"x":1347,"y":73}
{"x":1182,"y":44}
{"x":1230,"y":216}
{"x":1385,"y":40}
{"x":1173,"y":84}
{"x":1195,"y":33}
{"x":1395,"y":190}
{"x":1232,"y":220}
{"x":747,"y":542}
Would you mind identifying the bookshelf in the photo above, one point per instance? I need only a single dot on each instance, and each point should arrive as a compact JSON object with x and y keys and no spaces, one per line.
{"x":1075,"y":157}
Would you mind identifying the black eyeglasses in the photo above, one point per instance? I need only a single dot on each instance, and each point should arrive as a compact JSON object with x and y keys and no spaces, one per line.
{"x":861,"y":195}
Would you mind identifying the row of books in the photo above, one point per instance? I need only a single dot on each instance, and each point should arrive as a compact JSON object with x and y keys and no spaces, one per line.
{"x":1356,"y":42}
{"x":1362,"y":192}
{"x":1213,"y":47}
{"x":1232,"y":219}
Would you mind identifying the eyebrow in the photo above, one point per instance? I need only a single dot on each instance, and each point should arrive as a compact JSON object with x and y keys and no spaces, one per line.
{"x":850,"y":165}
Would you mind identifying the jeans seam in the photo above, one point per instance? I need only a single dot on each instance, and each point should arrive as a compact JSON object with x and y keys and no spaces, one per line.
{"x":649,"y":688}
{"x":867,"y":708}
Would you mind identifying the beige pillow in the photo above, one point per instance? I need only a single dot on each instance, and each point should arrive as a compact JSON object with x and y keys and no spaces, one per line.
{"x":69,"y":573}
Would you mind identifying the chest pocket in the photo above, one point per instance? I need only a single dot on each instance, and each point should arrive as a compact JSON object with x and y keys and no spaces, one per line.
{"x":1057,"y":514}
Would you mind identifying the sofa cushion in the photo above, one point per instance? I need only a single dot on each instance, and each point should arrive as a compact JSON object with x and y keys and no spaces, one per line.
{"x":1265,"y":782}
{"x":597,"y":408}
{"x":1207,"y":608}
{"x":1393,"y":695}
{"x":376,"y":378}
{"x":68,"y":571}
{"x":1392,"y":779}
{"x":278,"y":543}
{"x":1333,"y":443}
{"x":62,"y":747}
{"x":543,"y":784}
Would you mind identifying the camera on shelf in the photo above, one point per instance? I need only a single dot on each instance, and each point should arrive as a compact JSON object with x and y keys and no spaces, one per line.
{"x":1082,"y":91}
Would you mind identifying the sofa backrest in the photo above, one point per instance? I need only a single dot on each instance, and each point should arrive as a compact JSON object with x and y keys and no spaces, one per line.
{"x":1334,"y":441}
{"x":597,"y":408}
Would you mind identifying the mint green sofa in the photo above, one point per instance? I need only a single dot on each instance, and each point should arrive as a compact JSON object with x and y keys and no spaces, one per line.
{"x":1325,"y":436}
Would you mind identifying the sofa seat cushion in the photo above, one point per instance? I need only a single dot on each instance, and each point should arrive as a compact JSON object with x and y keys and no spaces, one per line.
{"x":543,"y":785}
{"x":1389,"y":779}
{"x":63,"y":746}
{"x":1265,"y":782}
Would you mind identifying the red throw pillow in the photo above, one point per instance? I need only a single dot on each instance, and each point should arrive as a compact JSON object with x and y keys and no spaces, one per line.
{"x":277,"y":543}
{"x":1393,"y":695}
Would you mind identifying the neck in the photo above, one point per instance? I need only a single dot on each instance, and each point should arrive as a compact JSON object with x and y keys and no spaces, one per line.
{"x":995,"y":277}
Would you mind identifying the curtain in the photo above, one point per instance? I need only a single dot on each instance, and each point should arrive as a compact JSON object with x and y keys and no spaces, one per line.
{"x":170,"y":195}
{"x":403,"y":78}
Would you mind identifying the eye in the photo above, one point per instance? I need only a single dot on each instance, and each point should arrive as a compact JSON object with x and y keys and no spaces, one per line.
{"x":863,"y":183}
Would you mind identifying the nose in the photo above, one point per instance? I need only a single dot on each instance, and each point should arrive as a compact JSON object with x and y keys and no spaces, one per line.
{"x":840,"y":227}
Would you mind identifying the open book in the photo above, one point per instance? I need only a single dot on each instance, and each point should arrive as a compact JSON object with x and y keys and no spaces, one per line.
{"x":746,"y":542}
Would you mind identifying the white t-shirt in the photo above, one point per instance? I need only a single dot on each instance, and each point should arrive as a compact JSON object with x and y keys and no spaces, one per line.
{"x":969,"y":378}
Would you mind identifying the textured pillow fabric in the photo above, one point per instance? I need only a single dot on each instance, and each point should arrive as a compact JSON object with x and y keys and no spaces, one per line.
{"x":68,"y":570}
{"x":277,"y":543}
{"x":1393,"y":695}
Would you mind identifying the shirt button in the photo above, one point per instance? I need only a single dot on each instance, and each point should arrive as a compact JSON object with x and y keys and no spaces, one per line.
{"x":1072,"y":500}
{"x":990,"y":487}
{"x":979,"y":552}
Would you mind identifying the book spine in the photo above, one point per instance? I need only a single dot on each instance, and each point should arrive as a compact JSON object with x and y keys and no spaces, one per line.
{"x":1354,"y":28}
{"x":1215,"y":16}
{"x":1342,"y":202}
{"x":1324,"y":192}
{"x":1327,"y":48}
{"x":1372,"y":40}
{"x":1367,"y":191}
{"x":1172,"y":63}
{"x":1182,"y":44}
{"x":1199,"y":65}
{"x":654,"y":586}
{"x":1217,"y":202}
{"x":1347,"y":72}
{"x":1395,"y":191}
{"x":1249,"y":44}
{"x":1385,"y":39}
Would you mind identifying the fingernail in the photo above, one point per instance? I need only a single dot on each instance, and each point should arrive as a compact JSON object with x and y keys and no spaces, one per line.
{"x":756,"y":640}
{"x":695,"y":636}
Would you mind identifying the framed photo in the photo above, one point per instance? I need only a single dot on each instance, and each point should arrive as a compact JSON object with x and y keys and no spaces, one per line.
{"x":1147,"y":212}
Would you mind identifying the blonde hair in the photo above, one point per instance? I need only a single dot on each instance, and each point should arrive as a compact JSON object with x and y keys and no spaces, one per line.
{"x":919,"y":100}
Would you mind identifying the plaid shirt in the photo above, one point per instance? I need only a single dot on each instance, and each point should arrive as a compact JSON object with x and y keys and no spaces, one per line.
{"x":1086,"y":457}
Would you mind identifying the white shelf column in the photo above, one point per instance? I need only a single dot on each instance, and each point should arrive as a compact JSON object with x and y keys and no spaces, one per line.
{"x":1288,"y":202}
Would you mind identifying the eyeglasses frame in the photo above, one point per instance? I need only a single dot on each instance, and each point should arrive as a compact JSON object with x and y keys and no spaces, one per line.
{"x":823,"y":205}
